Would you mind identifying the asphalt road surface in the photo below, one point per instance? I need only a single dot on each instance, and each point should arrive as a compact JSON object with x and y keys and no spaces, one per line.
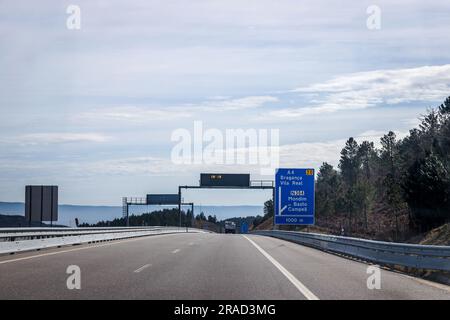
{"x":201,"y":266}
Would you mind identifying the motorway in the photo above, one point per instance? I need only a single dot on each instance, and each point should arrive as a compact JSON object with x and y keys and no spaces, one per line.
{"x":201,"y":266}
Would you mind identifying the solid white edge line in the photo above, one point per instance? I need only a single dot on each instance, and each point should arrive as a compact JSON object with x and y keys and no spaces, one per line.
{"x":300,"y":286}
{"x":142,"y":268}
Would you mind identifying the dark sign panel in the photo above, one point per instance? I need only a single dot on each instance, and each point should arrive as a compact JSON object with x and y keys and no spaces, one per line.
{"x":224,"y":180}
{"x":50,"y":203}
{"x":33,"y":203}
{"x":162,"y":199}
{"x":41,"y":203}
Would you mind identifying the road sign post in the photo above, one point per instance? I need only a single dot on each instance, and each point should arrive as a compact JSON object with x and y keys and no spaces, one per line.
{"x":294,"y":197}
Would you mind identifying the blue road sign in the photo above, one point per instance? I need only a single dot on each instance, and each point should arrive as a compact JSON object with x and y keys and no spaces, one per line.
{"x":244,"y":227}
{"x":294,"y":196}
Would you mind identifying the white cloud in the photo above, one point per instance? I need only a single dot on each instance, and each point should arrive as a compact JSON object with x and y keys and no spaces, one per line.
{"x":56,"y":138}
{"x":146,"y":114}
{"x":374,"y":88}
{"x":307,"y":154}
{"x":133,"y":114}
{"x":237,"y":104}
{"x":145,"y":165}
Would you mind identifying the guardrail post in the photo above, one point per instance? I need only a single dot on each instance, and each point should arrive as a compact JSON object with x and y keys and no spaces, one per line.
{"x":179,"y":204}
{"x":275,"y":227}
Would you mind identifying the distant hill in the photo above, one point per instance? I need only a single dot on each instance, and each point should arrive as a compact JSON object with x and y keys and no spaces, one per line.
{"x":14,"y":221}
{"x":68,"y":213}
{"x":94,"y":214}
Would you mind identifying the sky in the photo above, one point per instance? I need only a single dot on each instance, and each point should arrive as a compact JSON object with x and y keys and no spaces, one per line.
{"x":94,"y":110}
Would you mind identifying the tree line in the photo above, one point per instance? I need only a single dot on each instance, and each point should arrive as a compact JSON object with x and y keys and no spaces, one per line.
{"x":165,"y":217}
{"x":399,"y":188}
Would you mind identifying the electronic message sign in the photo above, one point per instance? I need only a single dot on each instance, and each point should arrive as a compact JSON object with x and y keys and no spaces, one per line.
{"x":224,"y":180}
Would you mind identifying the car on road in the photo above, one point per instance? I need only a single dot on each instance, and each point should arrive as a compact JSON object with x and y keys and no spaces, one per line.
{"x":230,"y":227}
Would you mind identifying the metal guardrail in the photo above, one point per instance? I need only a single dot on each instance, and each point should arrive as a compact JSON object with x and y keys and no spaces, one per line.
{"x":56,"y":229}
{"x":48,"y":238}
{"x":383,"y":253}
{"x":12,"y":234}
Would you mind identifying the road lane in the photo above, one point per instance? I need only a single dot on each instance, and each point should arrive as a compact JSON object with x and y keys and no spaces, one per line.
{"x":105,"y":269}
{"x":213,"y":267}
{"x":219,"y":267}
{"x":199,"y":266}
{"x":333,"y":278}
{"x":297,"y":283}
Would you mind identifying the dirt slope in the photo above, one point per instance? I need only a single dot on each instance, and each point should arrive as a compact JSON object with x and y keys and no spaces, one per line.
{"x":439,"y":236}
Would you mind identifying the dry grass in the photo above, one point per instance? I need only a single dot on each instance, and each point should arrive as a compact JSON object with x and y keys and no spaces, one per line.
{"x":438,"y":237}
